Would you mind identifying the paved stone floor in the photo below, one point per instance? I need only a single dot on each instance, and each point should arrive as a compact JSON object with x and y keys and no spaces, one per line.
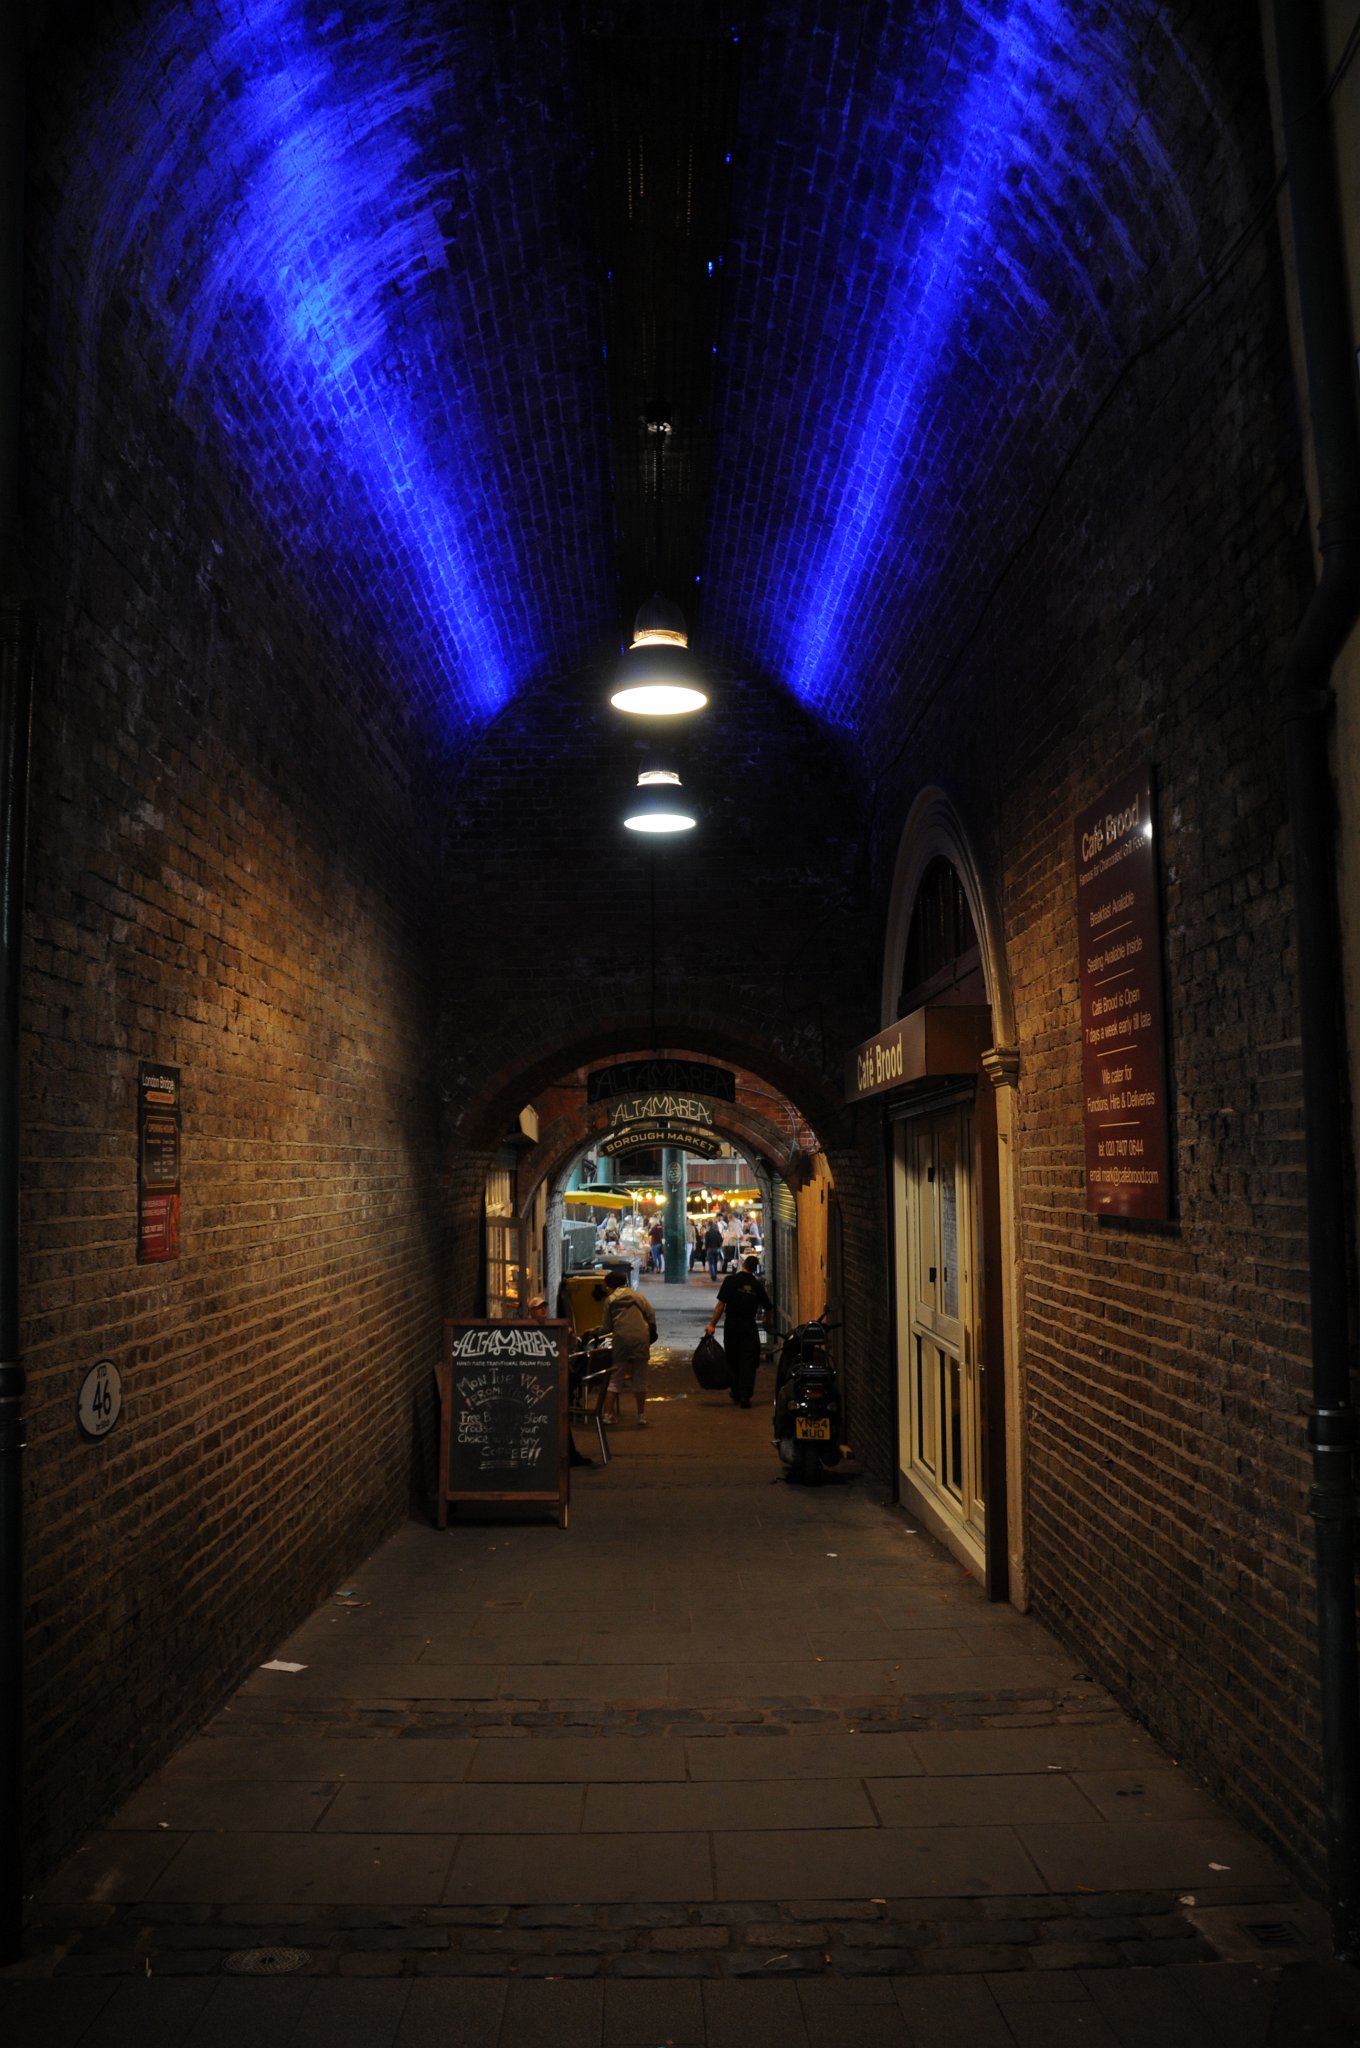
{"x":726,"y":1762}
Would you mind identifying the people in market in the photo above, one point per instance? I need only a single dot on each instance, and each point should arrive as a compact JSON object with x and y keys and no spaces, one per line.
{"x":630,"y":1323}
{"x":742,"y":1298}
{"x":713,"y":1242}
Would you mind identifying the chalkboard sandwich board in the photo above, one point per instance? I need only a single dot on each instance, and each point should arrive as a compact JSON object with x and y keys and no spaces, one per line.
{"x":503,"y":1414}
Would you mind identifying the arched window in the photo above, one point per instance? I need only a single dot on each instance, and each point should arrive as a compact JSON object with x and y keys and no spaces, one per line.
{"x":943,"y":962}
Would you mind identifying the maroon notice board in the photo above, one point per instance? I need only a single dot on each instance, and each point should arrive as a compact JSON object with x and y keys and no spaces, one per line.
{"x":1123,"y":1036}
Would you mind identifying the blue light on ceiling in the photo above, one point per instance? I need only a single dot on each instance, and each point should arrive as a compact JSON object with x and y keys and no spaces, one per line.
{"x":918,"y":313}
{"x":323,"y":290}
{"x":984,"y":172}
{"x":289,"y":232}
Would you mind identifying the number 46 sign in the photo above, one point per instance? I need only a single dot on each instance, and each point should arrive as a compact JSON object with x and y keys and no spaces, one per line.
{"x":100,"y":1401}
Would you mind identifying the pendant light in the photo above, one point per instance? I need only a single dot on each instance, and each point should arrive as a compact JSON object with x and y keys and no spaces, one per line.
{"x":658,"y":677}
{"x":659,"y":806}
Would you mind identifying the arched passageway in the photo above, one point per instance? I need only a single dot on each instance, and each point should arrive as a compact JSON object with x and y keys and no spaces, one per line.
{"x":562,"y":1111}
{"x":940,"y":367}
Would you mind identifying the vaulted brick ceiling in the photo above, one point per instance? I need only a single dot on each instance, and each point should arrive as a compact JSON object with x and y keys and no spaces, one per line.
{"x":367,"y":249}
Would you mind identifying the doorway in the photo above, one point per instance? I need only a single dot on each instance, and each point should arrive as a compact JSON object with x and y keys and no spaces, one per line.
{"x":941,"y":1362}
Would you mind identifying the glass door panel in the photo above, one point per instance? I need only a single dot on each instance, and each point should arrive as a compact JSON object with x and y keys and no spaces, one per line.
{"x":947,"y":1172}
{"x":923,"y":1150}
{"x":951,"y":1440}
{"x":927,"y":1375}
{"x":940,"y":1385}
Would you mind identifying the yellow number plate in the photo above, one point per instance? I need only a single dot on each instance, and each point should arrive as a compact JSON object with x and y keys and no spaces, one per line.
{"x":819,"y":1431}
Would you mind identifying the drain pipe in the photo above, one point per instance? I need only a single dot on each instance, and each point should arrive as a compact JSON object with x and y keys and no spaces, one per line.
{"x":17,"y":646}
{"x":1319,"y":261}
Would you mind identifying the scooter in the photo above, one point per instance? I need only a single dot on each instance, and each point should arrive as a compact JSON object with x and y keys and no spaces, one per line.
{"x":807,"y":1404}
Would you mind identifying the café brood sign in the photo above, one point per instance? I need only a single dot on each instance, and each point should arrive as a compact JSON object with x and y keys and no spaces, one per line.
{"x":643,"y":1120}
{"x":1123,"y":1039}
{"x":925,"y":1044}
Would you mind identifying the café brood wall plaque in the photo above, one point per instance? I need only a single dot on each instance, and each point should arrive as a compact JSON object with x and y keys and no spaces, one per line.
{"x":503,"y":1414}
{"x":1123,"y":1037}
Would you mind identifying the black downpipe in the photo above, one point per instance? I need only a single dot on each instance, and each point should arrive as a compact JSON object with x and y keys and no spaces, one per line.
{"x":17,"y":654}
{"x":1319,"y":260}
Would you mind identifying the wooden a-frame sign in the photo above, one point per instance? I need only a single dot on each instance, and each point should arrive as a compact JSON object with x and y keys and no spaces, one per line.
{"x":503,"y":1423}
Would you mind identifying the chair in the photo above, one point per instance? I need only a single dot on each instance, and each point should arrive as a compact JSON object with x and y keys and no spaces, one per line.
{"x":587,"y":1405}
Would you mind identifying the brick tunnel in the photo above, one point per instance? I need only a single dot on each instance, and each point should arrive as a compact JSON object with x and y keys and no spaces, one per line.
{"x":366,"y":368}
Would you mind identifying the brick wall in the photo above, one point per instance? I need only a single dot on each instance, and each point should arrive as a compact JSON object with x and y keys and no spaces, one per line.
{"x":229,"y":873}
{"x":1143,"y":617}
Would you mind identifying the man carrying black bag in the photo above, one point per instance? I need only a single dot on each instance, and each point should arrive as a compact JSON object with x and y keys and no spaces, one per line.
{"x":743,"y":1297}
{"x":710,"y":1365}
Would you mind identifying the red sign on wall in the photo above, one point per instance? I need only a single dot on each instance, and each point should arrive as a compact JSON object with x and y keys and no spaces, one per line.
{"x":158,"y":1189}
{"x":1123,"y":1040}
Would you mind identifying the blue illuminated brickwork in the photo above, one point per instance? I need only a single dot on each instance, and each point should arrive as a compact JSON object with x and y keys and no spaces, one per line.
{"x":357,"y":248}
{"x":949,"y":228}
{"x":350,"y":243}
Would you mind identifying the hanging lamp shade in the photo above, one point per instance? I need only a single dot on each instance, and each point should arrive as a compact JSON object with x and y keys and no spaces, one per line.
{"x":658,"y":677}
{"x":659,"y":806}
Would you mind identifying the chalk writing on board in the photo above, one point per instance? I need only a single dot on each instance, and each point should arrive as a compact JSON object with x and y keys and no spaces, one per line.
{"x":504,"y":1418}
{"x":503,"y":1414}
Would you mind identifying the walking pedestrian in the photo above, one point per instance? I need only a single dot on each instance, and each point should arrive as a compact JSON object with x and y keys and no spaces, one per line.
{"x":630,"y":1321}
{"x":742,"y":1296}
{"x":712,"y":1246}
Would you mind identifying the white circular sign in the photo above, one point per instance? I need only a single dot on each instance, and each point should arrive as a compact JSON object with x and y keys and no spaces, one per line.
{"x":100,"y":1401}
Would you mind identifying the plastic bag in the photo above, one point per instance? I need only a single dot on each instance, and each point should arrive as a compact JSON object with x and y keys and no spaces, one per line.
{"x":710,"y":1365}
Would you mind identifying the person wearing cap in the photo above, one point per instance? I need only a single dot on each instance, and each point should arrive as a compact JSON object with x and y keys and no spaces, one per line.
{"x":743,"y":1297}
{"x":630,"y":1321}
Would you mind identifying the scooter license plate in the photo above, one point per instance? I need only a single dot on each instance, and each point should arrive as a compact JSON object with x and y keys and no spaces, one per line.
{"x":819,"y":1431}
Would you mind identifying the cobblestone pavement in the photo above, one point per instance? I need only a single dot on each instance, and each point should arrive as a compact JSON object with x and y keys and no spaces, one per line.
{"x":725,"y":1762}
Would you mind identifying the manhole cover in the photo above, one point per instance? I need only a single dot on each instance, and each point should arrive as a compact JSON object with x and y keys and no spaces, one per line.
{"x":265,"y":1962}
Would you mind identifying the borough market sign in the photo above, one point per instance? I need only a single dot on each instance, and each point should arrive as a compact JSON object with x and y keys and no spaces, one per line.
{"x":684,"y":1137}
{"x":679,"y":1120}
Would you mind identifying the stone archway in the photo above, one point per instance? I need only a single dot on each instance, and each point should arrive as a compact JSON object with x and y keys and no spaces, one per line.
{"x":770,"y":1150}
{"x":819,"y":1124}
